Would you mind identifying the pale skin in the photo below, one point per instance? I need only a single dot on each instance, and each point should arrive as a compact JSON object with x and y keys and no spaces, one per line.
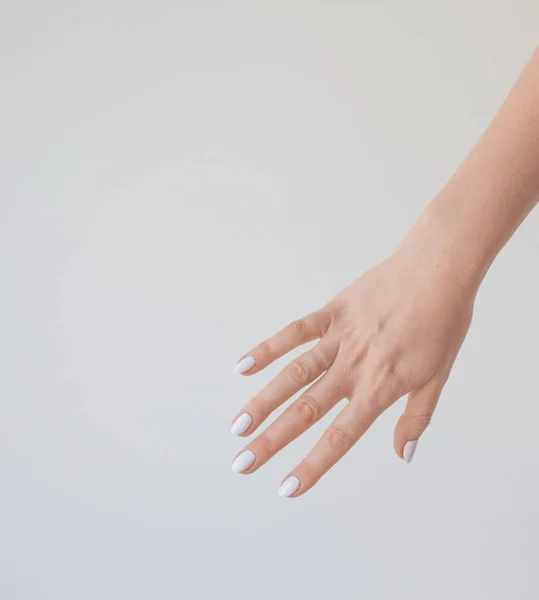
{"x":398,"y":329}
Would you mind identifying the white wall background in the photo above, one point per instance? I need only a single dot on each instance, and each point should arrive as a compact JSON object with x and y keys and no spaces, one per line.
{"x":179,"y":179}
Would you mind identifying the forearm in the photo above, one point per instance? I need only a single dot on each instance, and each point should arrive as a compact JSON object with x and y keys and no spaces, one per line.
{"x":485,"y":201}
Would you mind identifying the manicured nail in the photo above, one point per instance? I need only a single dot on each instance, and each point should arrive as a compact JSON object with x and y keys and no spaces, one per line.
{"x":245,"y":364}
{"x":409,"y":450}
{"x":241,"y":424}
{"x":244,"y":461}
{"x":289,"y":487}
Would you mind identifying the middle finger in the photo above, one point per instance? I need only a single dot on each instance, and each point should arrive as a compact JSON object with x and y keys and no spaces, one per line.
{"x":300,"y":372}
{"x":309,"y":408}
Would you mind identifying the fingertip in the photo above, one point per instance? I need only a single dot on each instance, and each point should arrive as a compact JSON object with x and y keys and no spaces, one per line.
{"x":242,"y":424}
{"x":244,"y":461}
{"x":245,"y":365}
{"x":398,"y":446}
{"x":409,"y":451}
{"x":290,"y":487}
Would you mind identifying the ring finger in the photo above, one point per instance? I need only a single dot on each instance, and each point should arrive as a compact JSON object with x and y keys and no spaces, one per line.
{"x":309,"y":408}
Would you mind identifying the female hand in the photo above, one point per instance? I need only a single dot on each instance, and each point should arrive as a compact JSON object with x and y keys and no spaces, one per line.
{"x":395,"y":331}
{"x":398,"y":329}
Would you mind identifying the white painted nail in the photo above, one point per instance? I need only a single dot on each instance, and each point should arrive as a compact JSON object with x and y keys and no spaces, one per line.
{"x":289,"y":487}
{"x":244,"y":461}
{"x":409,"y":450}
{"x":245,"y":364}
{"x":241,"y":424}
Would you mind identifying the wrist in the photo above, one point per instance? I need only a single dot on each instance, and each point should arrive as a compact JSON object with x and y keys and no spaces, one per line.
{"x":447,"y":247}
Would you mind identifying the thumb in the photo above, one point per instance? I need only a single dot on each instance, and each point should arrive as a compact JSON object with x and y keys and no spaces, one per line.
{"x":416,"y":417}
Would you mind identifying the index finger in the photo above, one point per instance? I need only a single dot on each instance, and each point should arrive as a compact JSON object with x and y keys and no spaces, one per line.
{"x":301,"y":331}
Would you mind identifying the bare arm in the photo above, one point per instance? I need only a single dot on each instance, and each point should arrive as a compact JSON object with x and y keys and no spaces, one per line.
{"x":491,"y":193}
{"x":397,"y":330}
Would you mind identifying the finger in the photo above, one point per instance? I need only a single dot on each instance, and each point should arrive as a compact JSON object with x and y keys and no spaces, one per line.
{"x":300,"y":372}
{"x":309,"y":408}
{"x":295,"y":334}
{"x":416,"y":417}
{"x":351,"y":423}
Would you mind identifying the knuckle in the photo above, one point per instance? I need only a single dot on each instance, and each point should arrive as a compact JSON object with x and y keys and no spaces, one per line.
{"x":357,"y":356}
{"x":265,"y":350}
{"x":379,"y":393}
{"x":298,"y":328}
{"x":306,"y":410}
{"x":418,"y":423}
{"x":321,"y":357}
{"x":265,"y":444}
{"x":259,"y":406}
{"x":338,"y":309}
{"x":386,"y":383}
{"x":339,"y":439}
{"x":347,"y":371}
{"x":322,"y":321}
{"x":299,"y":371}
{"x":360,"y":353}
{"x":384,"y":375}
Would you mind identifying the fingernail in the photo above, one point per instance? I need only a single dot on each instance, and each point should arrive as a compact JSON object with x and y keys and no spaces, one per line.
{"x":241,"y":424}
{"x":289,"y":487}
{"x":409,"y":451}
{"x":245,"y":364}
{"x":244,"y":461}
